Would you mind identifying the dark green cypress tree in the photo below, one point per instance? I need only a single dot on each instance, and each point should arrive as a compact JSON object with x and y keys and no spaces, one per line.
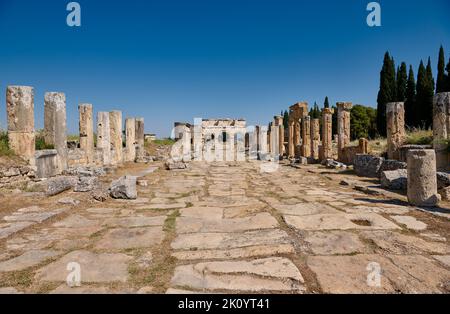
{"x":410,"y":99}
{"x":421,"y":106}
{"x":441,"y":77}
{"x":447,"y":85}
{"x":386,"y":93}
{"x":286,"y":119}
{"x":402,"y":78}
{"x":429,"y":95}
{"x":327,"y":103}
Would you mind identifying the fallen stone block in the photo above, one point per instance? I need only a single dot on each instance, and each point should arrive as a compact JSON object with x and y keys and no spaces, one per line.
{"x":395,"y":180}
{"x":443,"y":179}
{"x":367,"y":165}
{"x":175,"y":165}
{"x":86,"y":184}
{"x":445,"y":193}
{"x":58,"y":185}
{"x":124,"y":188}
{"x":391,"y":165}
{"x":100,"y":195}
{"x":333,"y":164}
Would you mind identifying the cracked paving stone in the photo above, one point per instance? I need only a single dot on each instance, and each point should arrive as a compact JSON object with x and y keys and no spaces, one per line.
{"x":27,"y":260}
{"x":123,"y":238}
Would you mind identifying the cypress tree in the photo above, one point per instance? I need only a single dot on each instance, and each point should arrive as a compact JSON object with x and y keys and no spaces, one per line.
{"x":429,"y":95}
{"x":410,"y":99}
{"x":441,"y":77}
{"x":424,"y":98}
{"x":327,"y":103}
{"x":386,"y":93}
{"x":402,"y":78}
{"x":447,"y":85}
{"x":286,"y":119}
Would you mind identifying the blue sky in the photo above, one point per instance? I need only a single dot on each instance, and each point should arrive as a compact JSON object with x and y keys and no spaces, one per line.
{"x":175,"y":60}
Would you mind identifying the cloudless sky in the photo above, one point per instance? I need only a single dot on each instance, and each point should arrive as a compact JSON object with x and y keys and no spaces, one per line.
{"x":173,"y":60}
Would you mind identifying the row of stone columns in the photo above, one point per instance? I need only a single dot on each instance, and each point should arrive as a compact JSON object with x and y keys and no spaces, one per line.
{"x":21,"y":130}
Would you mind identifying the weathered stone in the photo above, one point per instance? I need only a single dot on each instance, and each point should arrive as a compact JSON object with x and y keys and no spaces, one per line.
{"x":395,"y":113}
{"x":443,"y":179}
{"x":20,"y":112}
{"x":37,"y":217}
{"x":9,"y":229}
{"x":99,"y":194}
{"x":176,"y":165}
{"x":445,"y":193}
{"x":115,"y":121}
{"x":306,"y":136}
{"x":339,"y":222}
{"x":441,"y":129}
{"x":96,"y":268}
{"x":334,"y":243}
{"x":140,"y":139}
{"x":122,"y":238}
{"x":130,"y":138}
{"x":391,"y":165}
{"x":26,"y":260}
{"x":422,"y":182}
{"x":124,"y":188}
{"x":58,"y":185}
{"x":131,"y":222}
{"x":410,"y":222}
{"x":343,"y":127}
{"x":86,"y":126}
{"x":47,"y":163}
{"x":55,"y":126}
{"x":332,"y":164}
{"x":68,"y":201}
{"x":296,"y":113}
{"x":86,"y":184}
{"x":395,"y":180}
{"x":327,"y":133}
{"x":367,"y":165}
{"x":271,"y":274}
{"x":9,"y":290}
{"x":104,"y":137}
{"x":315,"y":138}
{"x":302,"y":209}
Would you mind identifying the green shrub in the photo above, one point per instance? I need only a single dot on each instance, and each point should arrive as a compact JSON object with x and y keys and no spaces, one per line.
{"x":4,"y":145}
{"x":419,"y":136}
{"x":164,"y":142}
{"x":41,"y":145}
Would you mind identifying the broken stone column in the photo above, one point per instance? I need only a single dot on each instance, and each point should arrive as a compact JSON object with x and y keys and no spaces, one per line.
{"x":291,"y":144}
{"x":140,"y":139}
{"x":20,"y":111}
{"x":306,"y":137}
{"x":363,"y":147}
{"x":327,"y":133}
{"x":422,"y":180}
{"x":343,"y":127}
{"x":441,"y":129}
{"x":263,"y":149}
{"x":104,"y":137}
{"x":115,"y":124}
{"x":55,"y":126}
{"x":86,"y":126}
{"x":278,"y":122}
{"x":315,"y":138}
{"x":275,"y":142}
{"x":395,"y":113}
{"x":130,"y":139}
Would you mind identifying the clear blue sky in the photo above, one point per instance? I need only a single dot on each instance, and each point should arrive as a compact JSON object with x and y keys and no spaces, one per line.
{"x":171,"y":60}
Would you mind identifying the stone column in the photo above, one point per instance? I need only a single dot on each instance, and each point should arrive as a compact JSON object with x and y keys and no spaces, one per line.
{"x":55,"y":126}
{"x":306,"y":137}
{"x":269,"y":139}
{"x":278,"y":122}
{"x":343,"y":127}
{"x":130,"y":139}
{"x":441,"y":129}
{"x":395,"y":113}
{"x":422,"y":180}
{"x":263,"y":149}
{"x":327,"y":133}
{"x":315,"y":138}
{"x":140,"y":138}
{"x":291,"y":145}
{"x":275,"y":142}
{"x":20,"y":111}
{"x":86,"y":126}
{"x":363,"y":146}
{"x":115,"y":124}
{"x":104,"y":136}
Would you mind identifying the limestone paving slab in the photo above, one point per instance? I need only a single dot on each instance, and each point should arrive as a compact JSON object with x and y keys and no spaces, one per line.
{"x":95,"y":268}
{"x":139,"y":221}
{"x":8,"y":229}
{"x":334,"y":243}
{"x":302,"y":209}
{"x":410,"y":222}
{"x":27,"y":260}
{"x":129,"y":238}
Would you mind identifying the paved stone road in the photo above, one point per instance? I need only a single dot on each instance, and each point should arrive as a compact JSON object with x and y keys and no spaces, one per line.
{"x":227,"y":228}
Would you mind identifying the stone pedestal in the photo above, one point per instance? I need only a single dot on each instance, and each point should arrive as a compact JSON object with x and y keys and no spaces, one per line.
{"x":306,"y":137}
{"x":315,"y":138}
{"x":422,"y":181}
{"x":140,"y":138}
{"x":104,"y":137}
{"x":327,"y":133}
{"x":130,"y":139}
{"x":343,"y":127}
{"x":395,"y":113}
{"x":55,"y":126}
{"x":20,"y":111}
{"x":86,"y":127}
{"x":115,"y":124}
{"x":441,"y":129}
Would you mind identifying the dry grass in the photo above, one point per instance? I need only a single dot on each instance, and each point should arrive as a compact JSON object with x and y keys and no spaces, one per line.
{"x":419,"y":137}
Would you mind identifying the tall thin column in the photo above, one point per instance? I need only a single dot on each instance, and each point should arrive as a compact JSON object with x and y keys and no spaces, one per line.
{"x":86,"y":126}
{"x":315,"y":138}
{"x":395,"y":113}
{"x":104,"y":136}
{"x":20,"y":111}
{"x":140,"y":138}
{"x":55,"y":126}
{"x":130,"y":139}
{"x":278,"y":122}
{"x":291,"y":146}
{"x":115,"y":123}
{"x":441,"y":129}
{"x":327,"y":133}
{"x":343,"y":127}
{"x":306,"y":136}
